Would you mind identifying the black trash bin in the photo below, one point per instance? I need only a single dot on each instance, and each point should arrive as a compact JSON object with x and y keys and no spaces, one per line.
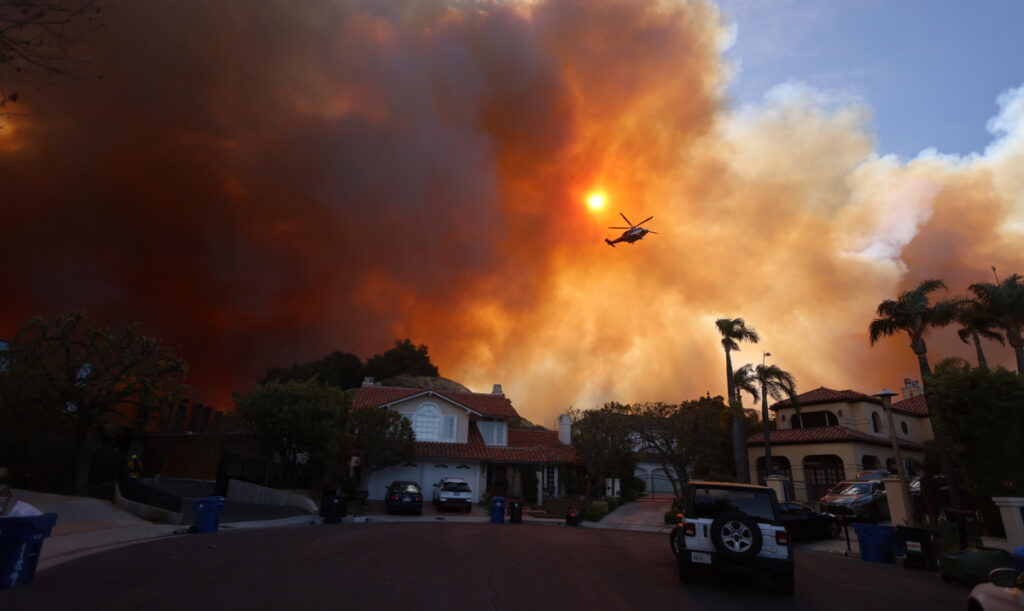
{"x":515,"y":512}
{"x":21,"y":540}
{"x":917,"y":545}
{"x":333,"y":509}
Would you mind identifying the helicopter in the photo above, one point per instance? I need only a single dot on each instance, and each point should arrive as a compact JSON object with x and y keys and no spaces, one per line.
{"x":631,"y":233}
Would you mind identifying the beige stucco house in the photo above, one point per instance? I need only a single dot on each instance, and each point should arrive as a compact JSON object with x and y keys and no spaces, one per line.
{"x":826,"y":436}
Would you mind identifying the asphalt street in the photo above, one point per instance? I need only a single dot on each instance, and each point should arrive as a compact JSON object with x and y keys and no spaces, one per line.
{"x":450,"y":566}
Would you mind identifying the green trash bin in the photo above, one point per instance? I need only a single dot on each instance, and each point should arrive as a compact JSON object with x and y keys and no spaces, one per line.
{"x":21,"y":540}
{"x":972,"y":566}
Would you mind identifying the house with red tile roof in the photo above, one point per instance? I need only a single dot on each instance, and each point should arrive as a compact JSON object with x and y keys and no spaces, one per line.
{"x":826,"y":436}
{"x":467,"y":435}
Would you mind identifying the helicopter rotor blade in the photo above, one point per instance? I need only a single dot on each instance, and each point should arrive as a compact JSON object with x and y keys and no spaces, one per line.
{"x":620,"y":228}
{"x":644,"y":221}
{"x":625,"y":219}
{"x":654,"y":232}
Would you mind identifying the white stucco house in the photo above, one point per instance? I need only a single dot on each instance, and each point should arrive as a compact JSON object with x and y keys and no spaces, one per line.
{"x":467,"y":435}
{"x":827,"y":435}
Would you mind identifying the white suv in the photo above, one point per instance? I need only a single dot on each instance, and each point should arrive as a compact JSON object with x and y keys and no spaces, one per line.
{"x":453,"y":492}
{"x":735,"y":525}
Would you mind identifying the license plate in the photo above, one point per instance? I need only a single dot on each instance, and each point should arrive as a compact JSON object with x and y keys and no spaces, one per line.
{"x":913,"y":546}
{"x":700,"y":557}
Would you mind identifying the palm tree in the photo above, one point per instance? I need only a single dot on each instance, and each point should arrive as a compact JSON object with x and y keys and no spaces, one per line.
{"x":976,"y":323}
{"x":1004,"y":303}
{"x":733,"y":331}
{"x":776,"y":383}
{"x":745,"y":381}
{"x":913,"y":314}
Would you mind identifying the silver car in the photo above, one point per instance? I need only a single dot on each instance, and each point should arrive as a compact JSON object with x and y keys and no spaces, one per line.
{"x":858,"y":500}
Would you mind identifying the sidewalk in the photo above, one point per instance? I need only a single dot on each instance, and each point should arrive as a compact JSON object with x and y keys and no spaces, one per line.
{"x":86,"y":525}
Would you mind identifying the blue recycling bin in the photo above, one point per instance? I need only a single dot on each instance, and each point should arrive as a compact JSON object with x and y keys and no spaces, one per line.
{"x":877,"y":542}
{"x":207,"y":510}
{"x":1017,"y":559}
{"x":498,"y":510}
{"x":21,"y":540}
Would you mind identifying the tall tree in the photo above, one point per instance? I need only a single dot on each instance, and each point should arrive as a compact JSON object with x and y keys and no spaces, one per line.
{"x":1004,"y":303}
{"x":684,"y":439}
{"x":975,"y":324}
{"x":94,"y":379}
{"x":383,"y":438}
{"x":602,"y":439}
{"x":777,"y":384}
{"x":405,"y":358}
{"x":981,"y":409}
{"x":733,"y":331}
{"x":913,"y":314}
{"x":341,"y":369}
{"x":303,"y":423}
{"x":37,"y":40}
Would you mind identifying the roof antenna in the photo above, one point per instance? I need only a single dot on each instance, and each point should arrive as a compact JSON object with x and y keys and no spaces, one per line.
{"x":994,"y":274}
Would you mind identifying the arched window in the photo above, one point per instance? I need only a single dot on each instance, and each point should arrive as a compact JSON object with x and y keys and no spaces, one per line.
{"x":426,"y":423}
{"x":904,"y":428}
{"x":876,"y":422}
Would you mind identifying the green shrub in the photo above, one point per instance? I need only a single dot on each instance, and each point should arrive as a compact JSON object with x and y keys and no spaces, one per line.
{"x":613,"y":503}
{"x":596,"y":511}
{"x":629,"y":495}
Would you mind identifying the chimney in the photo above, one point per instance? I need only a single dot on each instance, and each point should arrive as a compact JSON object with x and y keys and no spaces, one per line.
{"x":565,"y":429}
{"x":497,"y":390}
{"x":368,"y":381}
{"x":911,"y":388}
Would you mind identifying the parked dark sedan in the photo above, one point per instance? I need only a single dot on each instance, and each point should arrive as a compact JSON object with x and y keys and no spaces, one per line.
{"x":804,"y":523}
{"x":404,"y":496}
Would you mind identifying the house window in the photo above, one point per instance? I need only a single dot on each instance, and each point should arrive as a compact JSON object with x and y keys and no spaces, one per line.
{"x":904,"y":428}
{"x":549,"y":477}
{"x":811,"y":420}
{"x":493,"y":432}
{"x":876,"y":422}
{"x":448,"y":428}
{"x":426,"y":423}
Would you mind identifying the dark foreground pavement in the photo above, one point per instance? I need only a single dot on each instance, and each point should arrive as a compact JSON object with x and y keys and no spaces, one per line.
{"x":449,"y":566}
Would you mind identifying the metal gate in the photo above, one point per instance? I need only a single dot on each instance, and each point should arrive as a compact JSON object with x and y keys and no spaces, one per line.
{"x":656,"y":487}
{"x":820,"y":476}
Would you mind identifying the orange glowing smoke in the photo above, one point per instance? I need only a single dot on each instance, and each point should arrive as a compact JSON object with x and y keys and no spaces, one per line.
{"x":268,"y":182}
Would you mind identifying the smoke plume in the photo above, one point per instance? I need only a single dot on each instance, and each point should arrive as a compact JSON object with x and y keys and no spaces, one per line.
{"x":265,"y":182}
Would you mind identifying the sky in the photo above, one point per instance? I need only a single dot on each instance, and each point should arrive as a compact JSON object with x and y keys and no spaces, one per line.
{"x":264,"y":183}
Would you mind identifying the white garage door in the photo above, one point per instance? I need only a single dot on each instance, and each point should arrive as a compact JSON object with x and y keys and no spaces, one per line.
{"x":412,"y":472}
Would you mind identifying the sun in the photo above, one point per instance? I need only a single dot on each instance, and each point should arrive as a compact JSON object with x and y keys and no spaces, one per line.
{"x":596,"y":200}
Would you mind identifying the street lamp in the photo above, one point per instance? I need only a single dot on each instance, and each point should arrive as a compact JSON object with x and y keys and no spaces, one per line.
{"x":886,"y":396}
{"x":764,"y":418}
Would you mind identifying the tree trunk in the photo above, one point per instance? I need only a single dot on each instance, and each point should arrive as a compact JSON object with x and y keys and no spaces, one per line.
{"x":977,"y":347}
{"x":767,"y":441}
{"x":941,"y":446}
{"x":1016,"y":342}
{"x":739,"y":426}
{"x":83,"y":454}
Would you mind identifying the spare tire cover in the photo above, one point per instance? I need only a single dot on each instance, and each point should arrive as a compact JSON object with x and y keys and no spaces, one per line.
{"x":736,"y":536}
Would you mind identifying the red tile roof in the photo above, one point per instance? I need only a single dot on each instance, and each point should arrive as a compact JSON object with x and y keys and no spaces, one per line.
{"x":914,"y":406}
{"x":538,"y":447}
{"x":489,"y":405}
{"x":827,"y":395}
{"x":825,"y":434}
